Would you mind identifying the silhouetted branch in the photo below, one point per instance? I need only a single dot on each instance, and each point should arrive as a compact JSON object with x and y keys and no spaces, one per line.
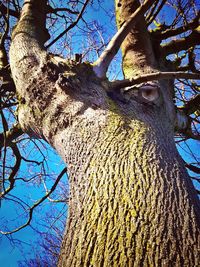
{"x":175,"y":46}
{"x":151,"y":17}
{"x":65,"y":9}
{"x":14,"y":171}
{"x":10,"y":135}
{"x":71,"y":25}
{"x":175,"y":31}
{"x":12,"y":12}
{"x":189,"y":134}
{"x":37,"y":204}
{"x":192,"y":105}
{"x":193,"y":168}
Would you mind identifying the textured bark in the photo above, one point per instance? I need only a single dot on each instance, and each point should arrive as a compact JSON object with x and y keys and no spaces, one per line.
{"x":132,"y":202}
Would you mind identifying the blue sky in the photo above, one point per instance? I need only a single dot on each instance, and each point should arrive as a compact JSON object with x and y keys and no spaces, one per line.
{"x":12,"y":215}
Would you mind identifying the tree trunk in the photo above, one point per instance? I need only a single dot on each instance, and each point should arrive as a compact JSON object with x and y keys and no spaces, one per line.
{"x":132,"y":202}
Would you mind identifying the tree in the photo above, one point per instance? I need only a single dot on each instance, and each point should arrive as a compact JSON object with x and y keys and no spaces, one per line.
{"x":132,"y":201}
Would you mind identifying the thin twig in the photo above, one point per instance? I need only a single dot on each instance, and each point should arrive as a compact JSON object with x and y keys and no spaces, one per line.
{"x":70,"y":26}
{"x":37,"y":204}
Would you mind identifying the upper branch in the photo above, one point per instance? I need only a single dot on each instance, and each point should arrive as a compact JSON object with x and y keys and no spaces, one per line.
{"x":56,"y":10}
{"x":182,"y":44}
{"x":192,"y":105}
{"x":10,"y":135}
{"x":71,"y":25}
{"x":169,"y":32}
{"x":153,"y":14}
{"x":103,"y":62}
{"x":12,"y":12}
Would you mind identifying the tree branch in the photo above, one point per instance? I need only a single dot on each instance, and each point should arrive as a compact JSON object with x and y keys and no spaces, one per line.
{"x":181,"y":44}
{"x":56,"y":10}
{"x":12,"y":12}
{"x":190,"y":134}
{"x":10,"y":135}
{"x":152,"y":15}
{"x":193,"y":168}
{"x":37,"y":204}
{"x":191,"y":63}
{"x":14,"y":171}
{"x":153,"y":76}
{"x":32,"y":22}
{"x":70,"y":26}
{"x":173,"y":32}
{"x":151,"y":11}
{"x":196,"y":179}
{"x":192,"y":105}
{"x":102,"y":63}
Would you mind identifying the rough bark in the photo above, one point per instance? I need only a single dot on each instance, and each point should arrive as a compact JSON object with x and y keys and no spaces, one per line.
{"x":131,"y":199}
{"x":132,"y":202}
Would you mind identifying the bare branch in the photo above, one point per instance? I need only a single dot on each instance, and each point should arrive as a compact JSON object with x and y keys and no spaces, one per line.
{"x":193,"y":168}
{"x":4,"y":35}
{"x":10,"y":135}
{"x":173,"y":32}
{"x":191,"y":64}
{"x":188,"y":134}
{"x":37,"y":204}
{"x":151,"y":11}
{"x":152,"y":15}
{"x":196,"y":179}
{"x":12,"y":12}
{"x":14,"y":171}
{"x":102,"y":63}
{"x":65,"y":9}
{"x":153,"y":76}
{"x":192,"y":105}
{"x":181,"y":44}
{"x":70,"y":26}
{"x":58,"y":200}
